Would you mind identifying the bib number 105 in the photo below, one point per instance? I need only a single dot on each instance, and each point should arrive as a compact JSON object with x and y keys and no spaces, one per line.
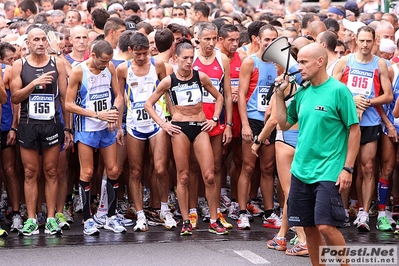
{"x":100,"y":105}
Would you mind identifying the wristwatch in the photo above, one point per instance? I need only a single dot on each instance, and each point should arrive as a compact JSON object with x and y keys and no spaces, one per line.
{"x":215,"y":119}
{"x":256,"y":140}
{"x":349,"y":169}
{"x":230,"y":124}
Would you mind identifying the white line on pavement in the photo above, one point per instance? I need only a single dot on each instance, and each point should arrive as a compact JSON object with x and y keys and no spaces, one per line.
{"x":252,"y":257}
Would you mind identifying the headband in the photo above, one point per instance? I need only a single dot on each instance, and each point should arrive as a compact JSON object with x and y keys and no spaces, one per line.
{"x":333,"y":9}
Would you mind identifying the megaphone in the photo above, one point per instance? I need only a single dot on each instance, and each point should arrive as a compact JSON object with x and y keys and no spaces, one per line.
{"x":279,"y":52}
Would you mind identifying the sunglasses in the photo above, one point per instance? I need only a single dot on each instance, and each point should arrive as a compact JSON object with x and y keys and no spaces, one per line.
{"x":292,"y":21}
{"x":73,"y":5}
{"x":310,"y":38}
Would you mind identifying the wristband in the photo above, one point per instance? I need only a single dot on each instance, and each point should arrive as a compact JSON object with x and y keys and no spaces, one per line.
{"x":97,"y":115}
{"x":162,"y":124}
{"x":68,"y":130}
{"x":14,"y":129}
{"x":114,"y":108}
{"x":229,"y":124}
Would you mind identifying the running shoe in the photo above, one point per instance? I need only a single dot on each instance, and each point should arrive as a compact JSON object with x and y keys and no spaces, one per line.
{"x":100,"y":220}
{"x":397,"y":229}
{"x":194,"y":220}
{"x":294,"y":240}
{"x":41,"y":219}
{"x":253,"y":207}
{"x":363,"y":225}
{"x":233,"y":211}
{"x":204,"y":210}
{"x":217,"y":228}
{"x":153,"y":217}
{"x":61,"y":221}
{"x":113,"y":223}
{"x":383,"y":224}
{"x":68,"y":216}
{"x":347,"y":221}
{"x":3,"y":233}
{"x":225,"y":201}
{"x":77,"y":203}
{"x":390,"y":218}
{"x":141,"y":225}
{"x":52,"y":227}
{"x":124,"y":221}
{"x":90,"y":228}
{"x":298,"y":250}
{"x":273,"y":221}
{"x":277,"y":243}
{"x":167,"y":218}
{"x":16,"y":223}
{"x":243,"y":222}
{"x":223,"y":221}
{"x":172,"y":200}
{"x":30,"y":228}
{"x":186,"y":229}
{"x":356,"y":221}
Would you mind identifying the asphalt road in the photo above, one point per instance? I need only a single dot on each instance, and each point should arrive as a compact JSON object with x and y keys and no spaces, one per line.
{"x":160,"y":246}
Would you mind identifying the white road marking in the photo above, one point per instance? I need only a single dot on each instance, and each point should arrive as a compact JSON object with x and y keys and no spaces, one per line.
{"x":252,"y":257}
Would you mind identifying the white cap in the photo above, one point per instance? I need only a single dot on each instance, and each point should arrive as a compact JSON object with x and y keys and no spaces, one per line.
{"x":387,"y":46}
{"x":20,"y":40}
{"x":179,"y":21}
{"x":352,"y":26}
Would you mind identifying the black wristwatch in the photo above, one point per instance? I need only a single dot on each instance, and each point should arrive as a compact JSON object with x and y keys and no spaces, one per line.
{"x":349,"y":169}
{"x":70,"y":130}
{"x":256,"y":140}
{"x":215,"y":119}
{"x":114,"y":108}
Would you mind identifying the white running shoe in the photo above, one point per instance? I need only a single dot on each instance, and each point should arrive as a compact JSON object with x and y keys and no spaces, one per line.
{"x":114,"y":224}
{"x":16,"y":223}
{"x":243,"y":222}
{"x":141,"y":225}
{"x":124,"y":221}
{"x":100,"y":220}
{"x":168,"y":220}
{"x":90,"y":228}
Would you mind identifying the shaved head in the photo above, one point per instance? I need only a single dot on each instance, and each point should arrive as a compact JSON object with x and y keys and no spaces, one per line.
{"x":33,"y":32}
{"x":300,"y":42}
{"x":314,"y":50}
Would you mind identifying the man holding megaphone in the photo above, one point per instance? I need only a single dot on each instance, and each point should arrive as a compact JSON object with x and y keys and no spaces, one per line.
{"x":326,"y":113}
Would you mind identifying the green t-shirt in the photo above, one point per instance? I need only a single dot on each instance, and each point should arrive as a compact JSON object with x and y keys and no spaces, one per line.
{"x":324,"y":114}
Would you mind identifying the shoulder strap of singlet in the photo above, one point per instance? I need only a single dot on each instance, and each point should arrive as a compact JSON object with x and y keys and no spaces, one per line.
{"x":395,"y":73}
{"x":197,"y":77}
{"x":152,"y":61}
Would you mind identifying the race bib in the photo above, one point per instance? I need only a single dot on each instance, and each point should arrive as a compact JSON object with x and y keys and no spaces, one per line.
{"x":41,"y":106}
{"x":189,"y":95}
{"x":208,"y":98}
{"x":140,"y":115}
{"x":262,"y":95}
{"x":99,"y":101}
{"x":360,"y":81}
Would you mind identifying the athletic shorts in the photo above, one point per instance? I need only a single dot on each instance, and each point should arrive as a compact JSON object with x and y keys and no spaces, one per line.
{"x":369,"y":134}
{"x":289,"y":137}
{"x":143,"y":136}
{"x":40,"y":136}
{"x":236,"y":122}
{"x":314,"y":204}
{"x":190,"y":129}
{"x":257,"y":126}
{"x":96,"y":139}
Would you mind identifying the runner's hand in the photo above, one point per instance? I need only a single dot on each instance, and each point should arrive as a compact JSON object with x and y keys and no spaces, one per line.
{"x":227,"y":135}
{"x":68,"y":140}
{"x":344,"y":181}
{"x":208,"y":125}
{"x":119,"y":137}
{"x":11,"y":138}
{"x":246,"y":134}
{"x":171,"y":129}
